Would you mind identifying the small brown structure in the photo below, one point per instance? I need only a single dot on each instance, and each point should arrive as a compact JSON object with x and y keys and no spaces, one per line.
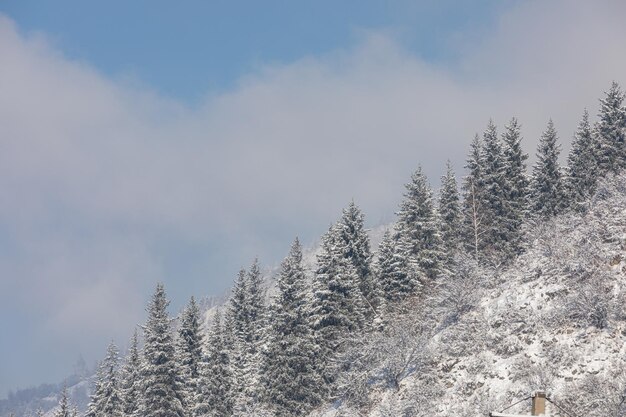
{"x":539,"y":404}
{"x":538,"y":407}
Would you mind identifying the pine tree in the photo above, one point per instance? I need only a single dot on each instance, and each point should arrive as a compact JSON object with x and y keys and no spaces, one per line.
{"x":495,"y":193}
{"x":131,"y":379}
{"x":257,"y":326}
{"x":611,"y":130}
{"x":395,"y":277}
{"x":547,"y":188}
{"x":449,"y":213}
{"x":106,"y":400}
{"x":63,"y":409}
{"x":473,"y":190}
{"x":338,"y":304}
{"x":356,"y":243}
{"x":94,"y":407}
{"x":582,"y":169}
{"x":215,"y":397}
{"x":516,"y":186}
{"x":189,"y":351}
{"x":163,"y":394}
{"x":237,"y":325}
{"x":246,"y":319}
{"x":417,"y":227}
{"x":111,"y":400}
{"x":292,"y":384}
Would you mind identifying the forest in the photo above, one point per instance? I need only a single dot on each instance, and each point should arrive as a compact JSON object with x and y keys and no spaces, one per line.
{"x":503,"y":281}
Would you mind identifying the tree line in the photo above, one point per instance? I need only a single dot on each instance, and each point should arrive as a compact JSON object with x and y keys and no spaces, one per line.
{"x":279,"y":355}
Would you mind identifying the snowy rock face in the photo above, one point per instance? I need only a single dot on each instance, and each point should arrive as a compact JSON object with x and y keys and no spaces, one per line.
{"x":486,"y":337}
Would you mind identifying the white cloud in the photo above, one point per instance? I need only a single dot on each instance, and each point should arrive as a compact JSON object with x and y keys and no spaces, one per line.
{"x":98,"y":180}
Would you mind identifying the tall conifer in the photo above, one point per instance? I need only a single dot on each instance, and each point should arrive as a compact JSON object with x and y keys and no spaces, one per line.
{"x":131,"y":379}
{"x":582,"y":168}
{"x":611,"y":130}
{"x":449,"y":213}
{"x":292,"y":383}
{"x":164,"y":395}
{"x":547,"y":192}
{"x":516,"y":178}
{"x":417,"y":227}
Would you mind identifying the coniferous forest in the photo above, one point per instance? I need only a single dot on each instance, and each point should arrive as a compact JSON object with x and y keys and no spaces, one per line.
{"x":436,"y":320}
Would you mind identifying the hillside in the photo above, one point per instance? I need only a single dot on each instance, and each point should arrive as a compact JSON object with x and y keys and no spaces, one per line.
{"x":553,"y":320}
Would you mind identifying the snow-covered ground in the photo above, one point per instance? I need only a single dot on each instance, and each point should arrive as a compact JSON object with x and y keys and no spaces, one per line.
{"x":554,"y":320}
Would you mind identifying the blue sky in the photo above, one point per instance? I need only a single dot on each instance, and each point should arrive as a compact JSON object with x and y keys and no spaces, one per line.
{"x":201,"y":47}
{"x":145,"y":142}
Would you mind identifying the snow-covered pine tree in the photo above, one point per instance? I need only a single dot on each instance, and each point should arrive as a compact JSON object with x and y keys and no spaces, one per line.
{"x":417,"y":227}
{"x":611,"y":129}
{"x":246,"y":324}
{"x":163,"y":394}
{"x":449,"y":214}
{"x":257,"y":327}
{"x":189,"y":351}
{"x":547,"y":191}
{"x":130,"y":386}
{"x":215,"y":397}
{"x":338,"y":304}
{"x":95,"y":398}
{"x":473,"y":211}
{"x":354,"y":239}
{"x":63,"y":409}
{"x":582,"y":169}
{"x":495,"y":194}
{"x":292,"y":384}
{"x":111,"y":399}
{"x":106,"y":400}
{"x":516,"y":179}
{"x":237,"y":324}
{"x":394,"y":274}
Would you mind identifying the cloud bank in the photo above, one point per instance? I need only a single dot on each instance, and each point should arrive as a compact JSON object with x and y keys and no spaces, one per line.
{"x":107,"y":188}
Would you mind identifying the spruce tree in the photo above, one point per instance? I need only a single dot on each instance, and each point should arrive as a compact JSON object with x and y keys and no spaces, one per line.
{"x":257,"y":327}
{"x":189,"y":351}
{"x":237,"y":329}
{"x":163,"y":394}
{"x":292,"y":384}
{"x":474,"y":218}
{"x":106,"y":400}
{"x":582,"y":169}
{"x":246,"y":320}
{"x":417,"y":227}
{"x":449,"y":214}
{"x":63,"y":410}
{"x":131,"y":379}
{"x":94,"y":407}
{"x":356,"y":244}
{"x":338,"y":304}
{"x":215,"y":397}
{"x":395,"y":276}
{"x":516,"y":188}
{"x":111,"y":400}
{"x":495,"y":194}
{"x":547,"y":186}
{"x":611,"y":130}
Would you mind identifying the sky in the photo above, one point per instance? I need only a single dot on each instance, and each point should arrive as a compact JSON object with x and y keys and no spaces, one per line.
{"x":145,"y":142}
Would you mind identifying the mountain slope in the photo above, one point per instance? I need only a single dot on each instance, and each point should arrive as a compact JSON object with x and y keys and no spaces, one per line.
{"x":485,"y":338}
